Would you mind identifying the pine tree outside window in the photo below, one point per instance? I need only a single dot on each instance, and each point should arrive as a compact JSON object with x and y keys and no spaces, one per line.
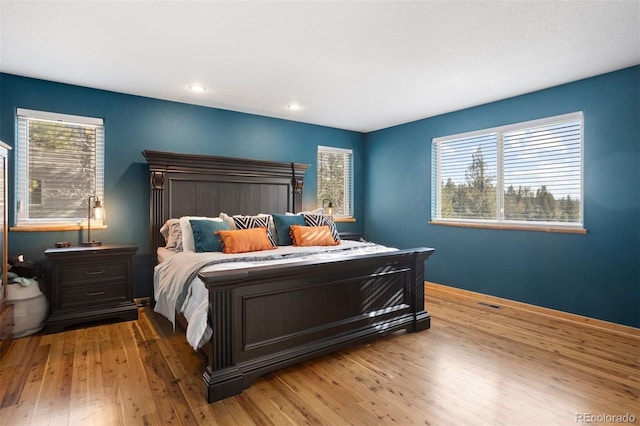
{"x":527,"y":175}
{"x":335,"y":180}
{"x":59,"y":164}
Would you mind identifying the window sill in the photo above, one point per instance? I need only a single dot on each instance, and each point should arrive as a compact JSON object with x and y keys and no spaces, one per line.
{"x":534,"y":228}
{"x":54,"y":228}
{"x":344,"y":219}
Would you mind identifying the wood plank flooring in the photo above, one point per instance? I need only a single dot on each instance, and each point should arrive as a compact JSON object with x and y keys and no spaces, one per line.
{"x":477,"y":365}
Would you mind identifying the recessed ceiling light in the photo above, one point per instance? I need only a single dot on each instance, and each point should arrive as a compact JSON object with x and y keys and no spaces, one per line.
{"x":294,"y":107}
{"x":197,"y":88}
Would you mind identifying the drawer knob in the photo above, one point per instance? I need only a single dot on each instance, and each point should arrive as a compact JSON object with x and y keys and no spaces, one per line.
{"x":95,"y":272}
{"x":97,"y":293}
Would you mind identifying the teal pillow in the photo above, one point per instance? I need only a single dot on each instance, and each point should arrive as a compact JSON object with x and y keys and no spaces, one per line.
{"x":204,"y":237}
{"x":282,"y":223}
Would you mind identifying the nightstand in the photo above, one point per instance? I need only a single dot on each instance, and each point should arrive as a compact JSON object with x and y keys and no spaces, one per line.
{"x":90,"y":284}
{"x":354,"y":236}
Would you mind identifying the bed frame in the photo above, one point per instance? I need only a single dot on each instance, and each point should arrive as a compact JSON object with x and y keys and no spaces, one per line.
{"x":269,"y":317}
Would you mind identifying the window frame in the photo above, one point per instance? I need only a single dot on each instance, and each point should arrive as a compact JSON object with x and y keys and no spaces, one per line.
{"x":347,"y":181}
{"x":22,"y":220}
{"x":500,"y":222}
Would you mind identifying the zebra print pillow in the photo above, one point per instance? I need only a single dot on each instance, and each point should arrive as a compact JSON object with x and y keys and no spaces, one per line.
{"x":322,"y":220}
{"x":248,"y":222}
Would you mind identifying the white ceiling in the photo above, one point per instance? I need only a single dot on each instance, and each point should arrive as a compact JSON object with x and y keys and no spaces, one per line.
{"x":357,"y":65}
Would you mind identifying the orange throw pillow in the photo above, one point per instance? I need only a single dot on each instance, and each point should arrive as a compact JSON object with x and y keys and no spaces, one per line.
{"x":312,"y":236}
{"x":245,"y":240}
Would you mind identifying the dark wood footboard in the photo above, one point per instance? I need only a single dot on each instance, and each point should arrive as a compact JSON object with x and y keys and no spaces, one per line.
{"x":267,"y":318}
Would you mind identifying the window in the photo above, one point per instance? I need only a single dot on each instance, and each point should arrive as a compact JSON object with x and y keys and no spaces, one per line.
{"x":60,"y":163}
{"x":335,"y":180}
{"x":523,"y":175}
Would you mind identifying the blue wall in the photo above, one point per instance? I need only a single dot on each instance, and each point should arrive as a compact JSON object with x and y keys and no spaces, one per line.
{"x":133,"y":124}
{"x":596,"y":275}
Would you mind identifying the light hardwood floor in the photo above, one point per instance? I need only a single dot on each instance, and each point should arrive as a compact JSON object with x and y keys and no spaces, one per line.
{"x":477,"y":365}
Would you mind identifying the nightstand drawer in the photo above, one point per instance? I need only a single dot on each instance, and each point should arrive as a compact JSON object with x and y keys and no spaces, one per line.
{"x":77,"y":296}
{"x":90,"y":284}
{"x":76,"y":274}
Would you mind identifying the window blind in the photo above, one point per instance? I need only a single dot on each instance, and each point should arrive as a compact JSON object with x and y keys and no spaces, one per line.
{"x":542,"y":173}
{"x":527,"y":173}
{"x":468,"y":170}
{"x":60,"y":162}
{"x":335,"y":179}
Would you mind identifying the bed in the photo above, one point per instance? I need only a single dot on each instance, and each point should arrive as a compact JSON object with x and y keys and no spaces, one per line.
{"x":264,"y":316}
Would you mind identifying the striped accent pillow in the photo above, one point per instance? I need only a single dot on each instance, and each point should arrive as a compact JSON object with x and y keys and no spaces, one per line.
{"x":323,"y":220}
{"x":248,"y":222}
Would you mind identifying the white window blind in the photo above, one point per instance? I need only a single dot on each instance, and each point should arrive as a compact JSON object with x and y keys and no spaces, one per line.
{"x":60,"y":163}
{"x":527,"y":174}
{"x":335,"y":180}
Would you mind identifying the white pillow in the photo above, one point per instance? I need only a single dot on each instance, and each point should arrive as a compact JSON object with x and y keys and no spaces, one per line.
{"x":187,"y":233}
{"x":172,"y":233}
{"x":229,"y":220}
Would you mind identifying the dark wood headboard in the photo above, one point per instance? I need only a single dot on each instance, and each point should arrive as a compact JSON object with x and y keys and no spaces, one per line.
{"x":202,"y":185}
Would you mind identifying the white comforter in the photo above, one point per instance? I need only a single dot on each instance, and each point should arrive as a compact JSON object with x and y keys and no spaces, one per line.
{"x":177,"y":287}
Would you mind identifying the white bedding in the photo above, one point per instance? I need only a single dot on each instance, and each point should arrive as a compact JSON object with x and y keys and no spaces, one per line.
{"x":177,"y":287}
{"x":165,"y":253}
